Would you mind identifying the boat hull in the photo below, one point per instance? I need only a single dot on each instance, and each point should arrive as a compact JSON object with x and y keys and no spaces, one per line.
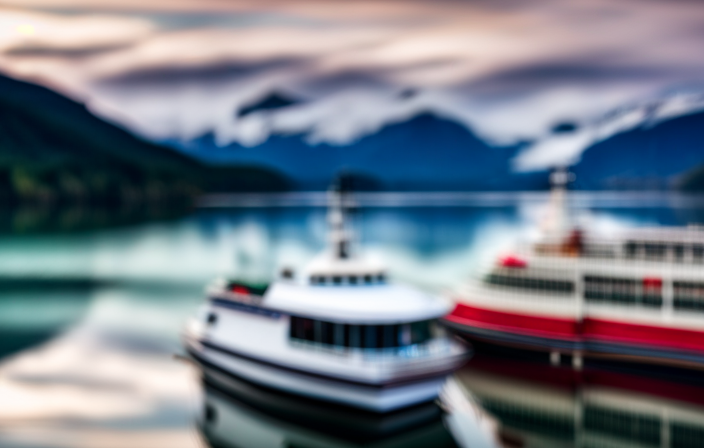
{"x":592,"y":337}
{"x":378,"y":398}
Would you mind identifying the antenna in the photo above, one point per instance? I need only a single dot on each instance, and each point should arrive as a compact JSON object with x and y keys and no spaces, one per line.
{"x":557,"y":220}
{"x":338,"y":202}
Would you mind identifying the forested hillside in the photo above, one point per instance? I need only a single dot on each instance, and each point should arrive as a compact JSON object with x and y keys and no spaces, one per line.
{"x":53,"y":149}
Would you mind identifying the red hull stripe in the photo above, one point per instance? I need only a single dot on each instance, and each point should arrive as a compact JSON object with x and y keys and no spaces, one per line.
{"x":545,"y":327}
{"x":595,"y":330}
{"x":649,"y":335}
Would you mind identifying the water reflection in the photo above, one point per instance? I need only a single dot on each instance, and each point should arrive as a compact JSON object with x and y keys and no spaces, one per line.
{"x":494,"y":402}
{"x":34,"y":311}
{"x":42,"y":218}
{"x":237,"y":414}
{"x":107,"y":377}
{"x":539,"y":405}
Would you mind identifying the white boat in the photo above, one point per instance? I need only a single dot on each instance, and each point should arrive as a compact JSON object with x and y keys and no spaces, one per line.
{"x":339,"y":331}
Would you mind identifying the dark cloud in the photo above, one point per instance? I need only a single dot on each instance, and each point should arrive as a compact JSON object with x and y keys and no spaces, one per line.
{"x":214,"y":71}
{"x":547,"y":75}
{"x":376,"y":77}
{"x":69,"y":53}
{"x":567,"y":72}
{"x":328,"y":83}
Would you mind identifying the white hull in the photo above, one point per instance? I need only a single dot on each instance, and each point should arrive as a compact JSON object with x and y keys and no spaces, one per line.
{"x":369,"y":397}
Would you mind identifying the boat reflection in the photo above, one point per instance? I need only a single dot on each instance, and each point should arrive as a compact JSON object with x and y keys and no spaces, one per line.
{"x":242,"y":415}
{"x":539,"y":405}
{"x":495,"y":401}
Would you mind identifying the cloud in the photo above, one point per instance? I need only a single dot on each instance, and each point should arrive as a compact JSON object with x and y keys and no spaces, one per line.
{"x":509,"y":70}
{"x":566,"y":149}
{"x":26,"y":33}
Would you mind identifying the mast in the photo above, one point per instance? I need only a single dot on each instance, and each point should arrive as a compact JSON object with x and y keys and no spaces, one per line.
{"x":557,"y":222}
{"x":340,"y":235}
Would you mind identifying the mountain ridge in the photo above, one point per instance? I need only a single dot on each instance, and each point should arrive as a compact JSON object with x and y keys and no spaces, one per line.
{"x":396,"y":156}
{"x":429,"y":152}
{"x":53,"y":149}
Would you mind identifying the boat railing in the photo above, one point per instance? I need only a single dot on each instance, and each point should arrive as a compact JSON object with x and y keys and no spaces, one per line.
{"x":629,"y":250}
{"x":238,"y":297}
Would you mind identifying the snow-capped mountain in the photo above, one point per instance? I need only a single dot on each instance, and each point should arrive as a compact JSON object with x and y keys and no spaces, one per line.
{"x":645,"y":145}
{"x":567,"y":148}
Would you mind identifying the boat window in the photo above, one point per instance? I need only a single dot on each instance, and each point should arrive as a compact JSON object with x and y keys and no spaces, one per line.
{"x":339,"y":335}
{"x":659,"y":251}
{"x":623,"y":291}
{"x":390,"y":337}
{"x":536,"y":284}
{"x":678,"y":252}
{"x":302,"y":328}
{"x":697,"y":253}
{"x":688,"y":296}
{"x":361,"y":336}
{"x":655,"y":251}
{"x":420,"y":332}
{"x":404,"y":336}
{"x":381,"y":278}
{"x":631,"y":249}
{"x":324,"y":332}
{"x":367,"y":279}
{"x":352,"y":279}
{"x":354,"y":336}
{"x":369,"y":336}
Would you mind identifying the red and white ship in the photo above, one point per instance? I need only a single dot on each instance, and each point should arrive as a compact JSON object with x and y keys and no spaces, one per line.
{"x":637,"y":295}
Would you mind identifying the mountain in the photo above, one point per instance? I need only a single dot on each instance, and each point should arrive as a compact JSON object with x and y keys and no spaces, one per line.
{"x":426,"y":152}
{"x":54,"y":149}
{"x":657,"y":156}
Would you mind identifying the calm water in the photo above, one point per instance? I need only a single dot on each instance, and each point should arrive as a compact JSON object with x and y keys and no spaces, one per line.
{"x":90,"y":317}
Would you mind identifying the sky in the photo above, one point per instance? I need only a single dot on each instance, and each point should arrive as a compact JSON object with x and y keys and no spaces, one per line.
{"x":510,"y":70}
